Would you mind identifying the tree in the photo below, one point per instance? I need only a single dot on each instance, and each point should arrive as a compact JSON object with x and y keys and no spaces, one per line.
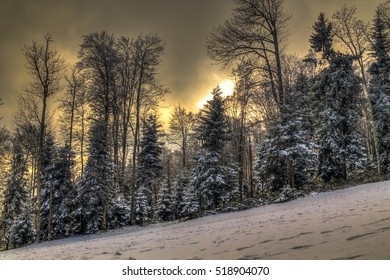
{"x":5,"y":149}
{"x":181,"y":125}
{"x":379,"y":88}
{"x":46,"y":67}
{"x":147,"y":56}
{"x":74,"y":108}
{"x":15,"y":197}
{"x":339,"y":101}
{"x":127,"y":74}
{"x":209,"y":176}
{"x":98,"y":58}
{"x":341,"y":145}
{"x":166,"y":203}
{"x":149,"y":163}
{"x":46,"y":195}
{"x":119,"y":214}
{"x":322,"y":37}
{"x":255,"y":32}
{"x":96,"y":188}
{"x":238,"y":110}
{"x":22,"y":231}
{"x":352,"y":36}
{"x":58,"y":205}
{"x":186,"y":200}
{"x":213,"y":125}
{"x":286,"y":156}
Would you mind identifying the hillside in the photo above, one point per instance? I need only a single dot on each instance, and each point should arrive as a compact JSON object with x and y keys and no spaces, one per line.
{"x":352,"y":223}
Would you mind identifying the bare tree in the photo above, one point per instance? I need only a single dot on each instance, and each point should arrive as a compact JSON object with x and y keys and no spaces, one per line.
{"x":126,"y":81}
{"x":46,"y":67}
{"x":98,"y":57}
{"x":74,"y":107}
{"x":147,"y":57}
{"x":255,"y":32}
{"x":181,"y":124}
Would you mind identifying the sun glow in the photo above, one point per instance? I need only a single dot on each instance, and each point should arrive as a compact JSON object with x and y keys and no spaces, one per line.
{"x":227,"y":88}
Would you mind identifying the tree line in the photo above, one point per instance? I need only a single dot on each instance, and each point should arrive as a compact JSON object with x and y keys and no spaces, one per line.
{"x":291,"y":126}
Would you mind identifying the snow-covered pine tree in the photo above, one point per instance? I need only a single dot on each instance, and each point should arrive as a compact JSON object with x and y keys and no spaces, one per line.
{"x":286,"y":156}
{"x":119,"y":214}
{"x":149,"y":167}
{"x":95,"y":190}
{"x":142,"y":206}
{"x":339,"y":97}
{"x":15,"y":197}
{"x":379,"y":88}
{"x":22,"y":231}
{"x":46,"y":195}
{"x":59,"y":184}
{"x":186,"y":198}
{"x":166,"y":203}
{"x":209,"y":176}
{"x":339,"y":135}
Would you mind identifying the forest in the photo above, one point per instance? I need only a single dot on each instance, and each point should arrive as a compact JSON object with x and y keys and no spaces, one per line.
{"x":105,"y":157}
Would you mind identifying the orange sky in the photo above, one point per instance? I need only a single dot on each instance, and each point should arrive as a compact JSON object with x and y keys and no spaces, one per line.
{"x":182,"y":24}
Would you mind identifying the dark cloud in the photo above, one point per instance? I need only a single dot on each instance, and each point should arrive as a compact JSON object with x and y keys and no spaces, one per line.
{"x":182,"y":24}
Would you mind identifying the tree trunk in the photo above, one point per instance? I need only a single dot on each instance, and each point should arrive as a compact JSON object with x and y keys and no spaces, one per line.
{"x":40,"y":164}
{"x":135,"y":146}
{"x":50,"y":222}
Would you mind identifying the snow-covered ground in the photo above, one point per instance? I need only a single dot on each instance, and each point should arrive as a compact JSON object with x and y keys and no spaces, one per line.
{"x":352,"y":223}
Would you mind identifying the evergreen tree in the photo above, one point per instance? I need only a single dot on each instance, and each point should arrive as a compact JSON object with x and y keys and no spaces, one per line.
{"x":210,"y":174}
{"x":119,"y":214}
{"x":322,"y":37}
{"x":22,"y":231}
{"x":96,"y":188}
{"x":341,"y":145}
{"x":15,"y":196}
{"x":149,"y":166}
{"x":60,"y":186}
{"x":166,"y":203}
{"x":338,"y":90}
{"x":142,"y":206}
{"x":186,"y":200}
{"x":286,"y":156}
{"x":379,"y":88}
{"x":46,"y":194}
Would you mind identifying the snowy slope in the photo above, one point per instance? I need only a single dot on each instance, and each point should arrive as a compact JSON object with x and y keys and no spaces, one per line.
{"x":353,"y":223}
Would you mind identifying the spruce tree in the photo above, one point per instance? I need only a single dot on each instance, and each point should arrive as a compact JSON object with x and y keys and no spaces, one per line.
{"x":96,"y":188}
{"x":286,"y":156}
{"x":119,"y":214}
{"x":379,"y":88}
{"x":60,"y":185}
{"x":210,"y":173}
{"x":149,"y":169}
{"x":15,"y":212}
{"x":166,"y":203}
{"x":22,"y":231}
{"x":338,"y":92}
{"x":186,"y":199}
{"x":322,"y":37}
{"x":297,"y":144}
{"x":46,"y":194}
{"x":142,"y":206}
{"x":340,"y":141}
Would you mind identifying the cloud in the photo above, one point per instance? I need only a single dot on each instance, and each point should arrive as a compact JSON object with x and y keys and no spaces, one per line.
{"x":182,"y":24}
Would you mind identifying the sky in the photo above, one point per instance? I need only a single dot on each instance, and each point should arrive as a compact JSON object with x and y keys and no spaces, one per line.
{"x":184,"y":26}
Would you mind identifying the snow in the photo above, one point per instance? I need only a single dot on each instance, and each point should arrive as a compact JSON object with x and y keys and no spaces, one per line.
{"x":352,"y":223}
